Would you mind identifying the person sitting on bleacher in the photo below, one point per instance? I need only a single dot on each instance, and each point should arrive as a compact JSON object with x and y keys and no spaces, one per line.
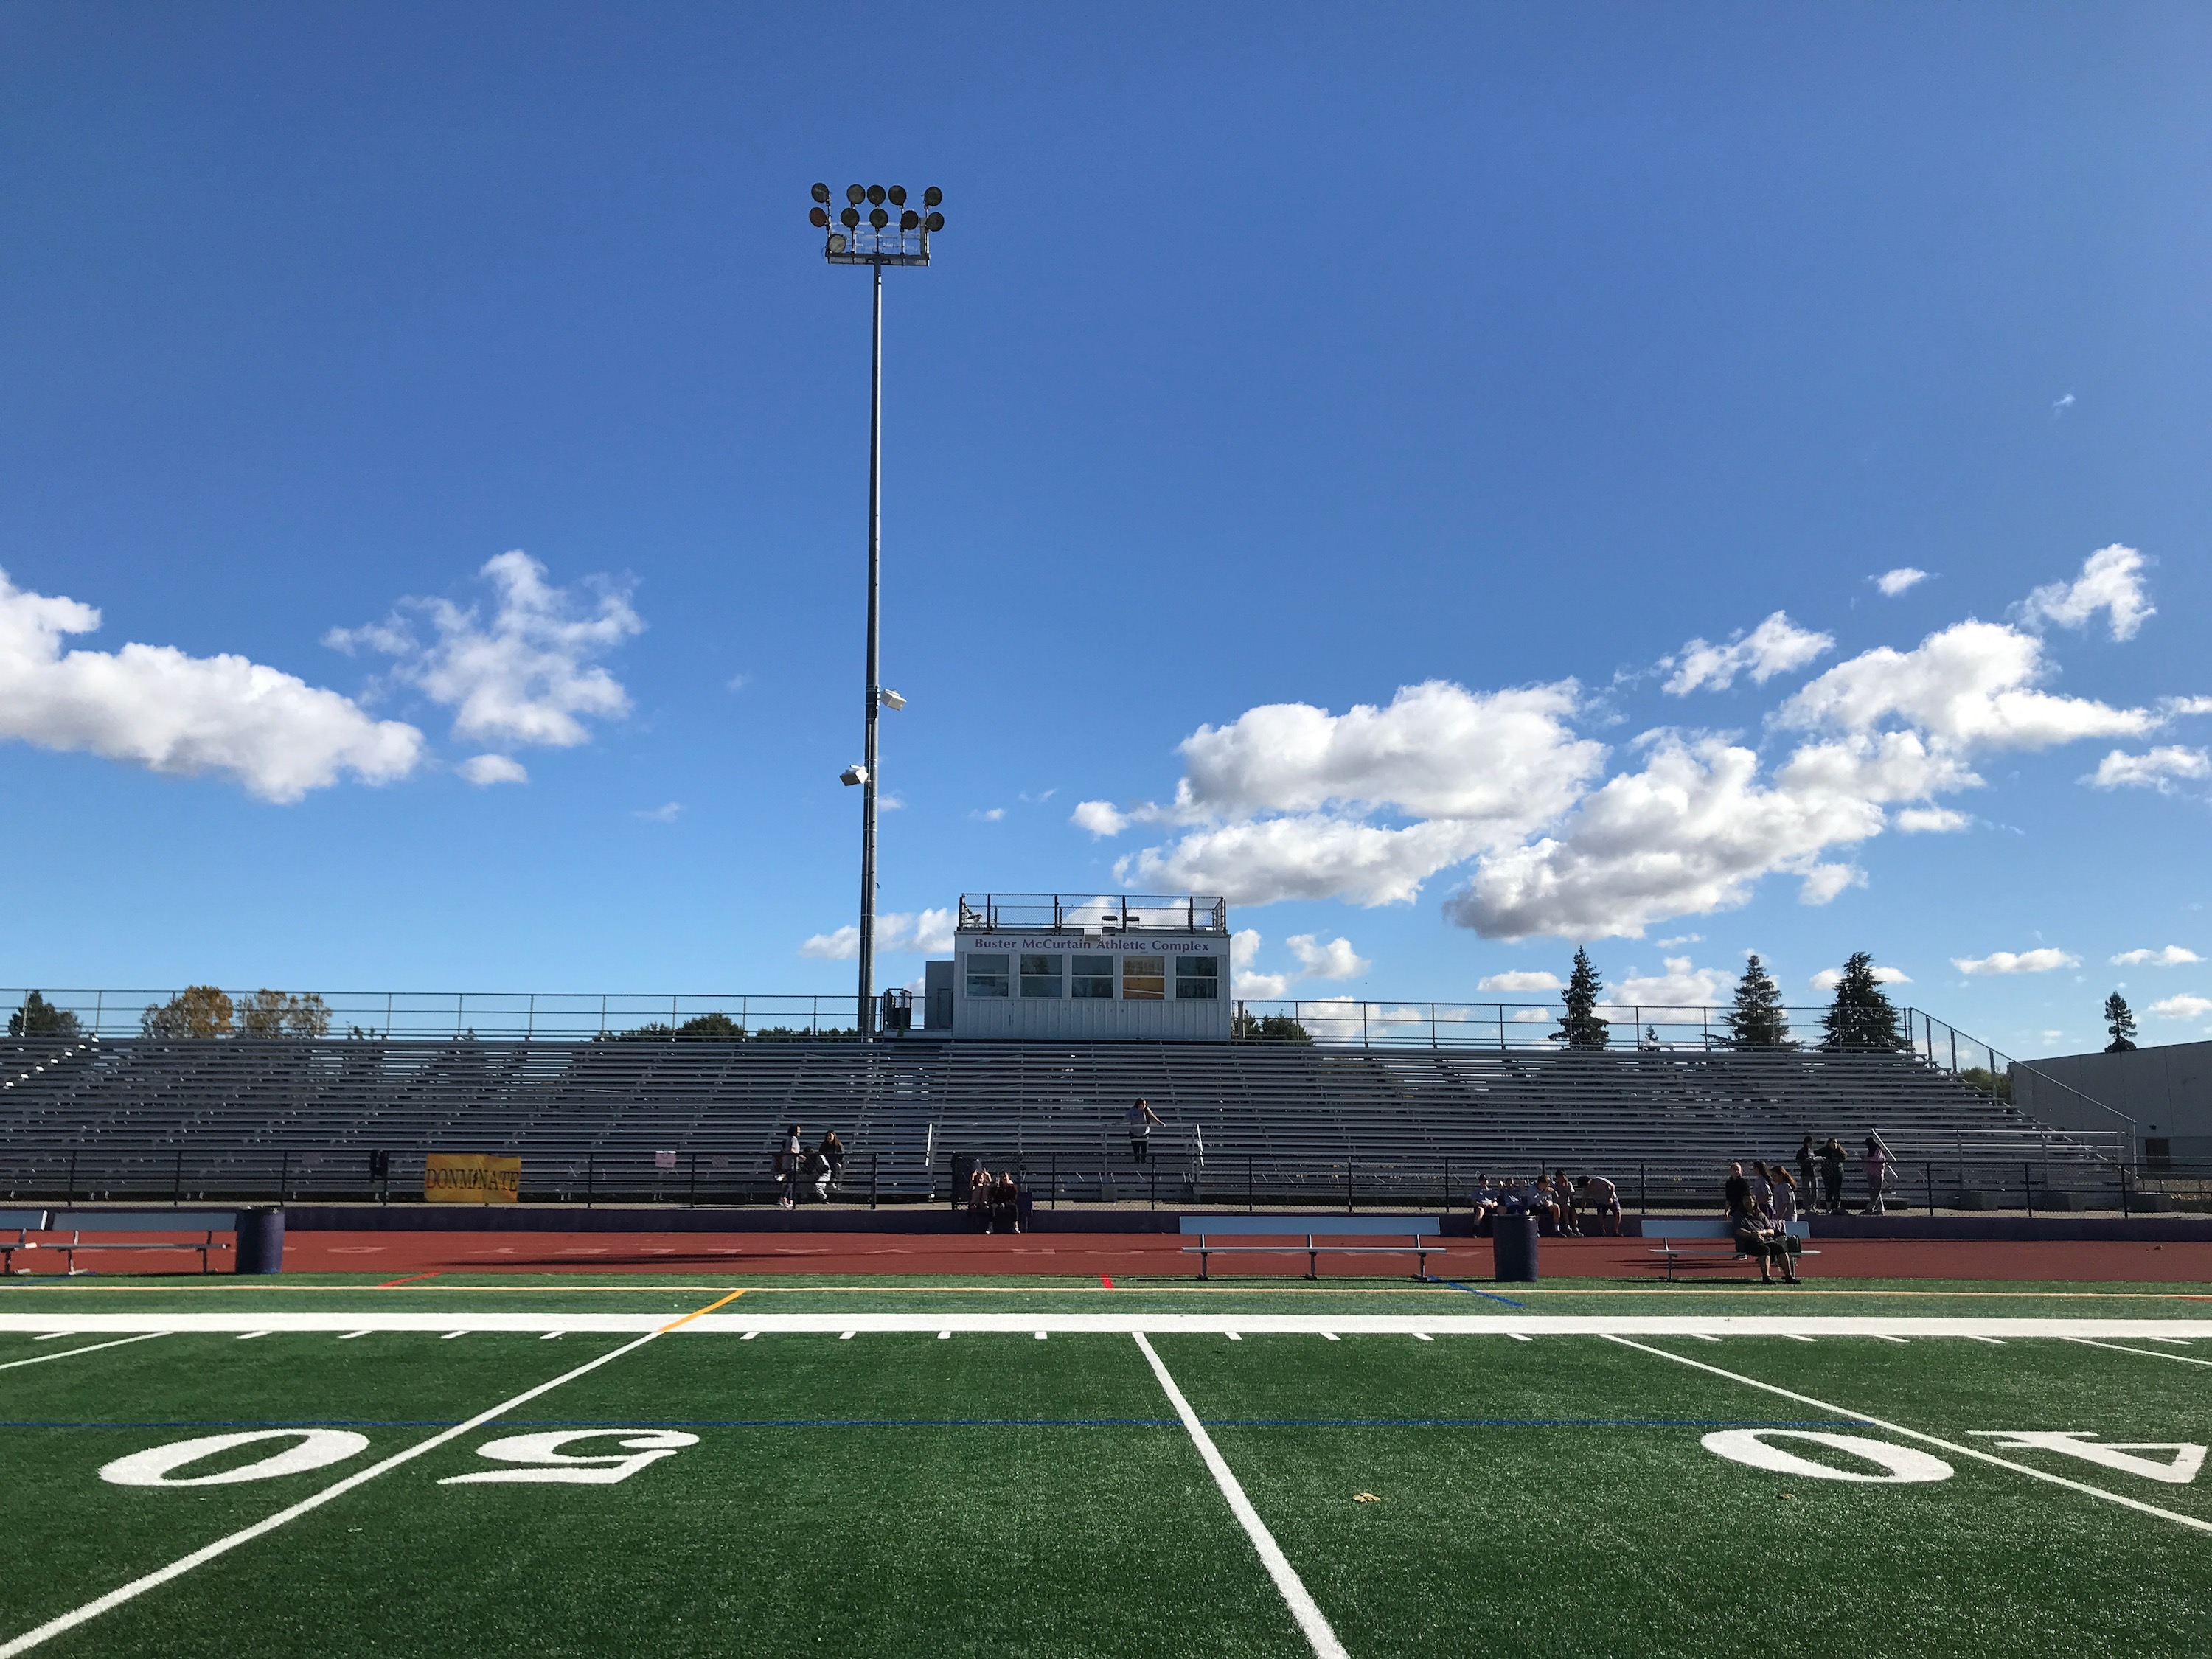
{"x":1754,"y":1236}
{"x":1563,"y":1195}
{"x":1006,"y":1203}
{"x":1544,"y":1206}
{"x":1602,"y":1200}
{"x":1483,"y":1202}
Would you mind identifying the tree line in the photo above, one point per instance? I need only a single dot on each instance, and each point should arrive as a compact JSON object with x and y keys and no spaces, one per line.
{"x":1860,"y":1016}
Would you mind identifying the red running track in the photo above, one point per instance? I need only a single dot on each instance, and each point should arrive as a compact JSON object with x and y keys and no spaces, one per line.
{"x":1140,"y":1255}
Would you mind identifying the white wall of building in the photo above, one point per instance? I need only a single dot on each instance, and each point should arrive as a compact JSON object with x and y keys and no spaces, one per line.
{"x":1157,"y":985}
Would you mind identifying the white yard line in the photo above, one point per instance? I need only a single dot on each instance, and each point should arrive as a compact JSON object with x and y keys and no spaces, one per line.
{"x":1895,"y":1327}
{"x":137,"y":1587}
{"x":63,"y":1353}
{"x":2148,"y":1353}
{"x":1310,"y":1620}
{"x":1952,"y":1446}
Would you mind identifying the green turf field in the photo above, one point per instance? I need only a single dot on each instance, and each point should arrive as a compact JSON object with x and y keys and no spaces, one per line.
{"x":1372,"y":1471}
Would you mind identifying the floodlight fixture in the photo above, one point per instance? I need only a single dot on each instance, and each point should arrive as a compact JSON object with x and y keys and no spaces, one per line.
{"x":890,"y":699}
{"x":909,"y":220}
{"x":879,"y":217}
{"x":818,"y":217}
{"x":855,"y":774}
{"x":822,"y":194}
{"x":856,"y":194}
{"x":876,"y":194}
{"x":932,"y":197}
{"x":934,"y":222}
{"x":897,"y":193}
{"x":849,"y":218}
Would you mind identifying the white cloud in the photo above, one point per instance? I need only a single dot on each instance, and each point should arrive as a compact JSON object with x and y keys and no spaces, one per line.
{"x":2182,"y":1008}
{"x":1682,"y":938}
{"x":1247,"y":982}
{"x":842,"y":946}
{"x":1682,"y":986}
{"x":1038,"y":800}
{"x":1258,"y":861}
{"x":527,"y":677}
{"x":1334,"y":960}
{"x":1519,"y":979}
{"x":988,"y":815}
{"x":2155,"y":768}
{"x":1101,"y":818}
{"x":1894,"y":582}
{"x":665,"y":813}
{"x":1689,"y":833}
{"x":1775,"y":646}
{"x":1500,"y":762}
{"x":1970,"y":686}
{"x":2059,"y":407}
{"x":1825,"y":883}
{"x":1828,"y":978}
{"x":487,"y":769}
{"x":2173,"y":707}
{"x":929,"y":933}
{"x":155,"y":706}
{"x":2008,"y":962}
{"x":2111,"y":581}
{"x":1530,"y":1016}
{"x":737,"y":682}
{"x":1931,"y":820}
{"x":2173,"y":956}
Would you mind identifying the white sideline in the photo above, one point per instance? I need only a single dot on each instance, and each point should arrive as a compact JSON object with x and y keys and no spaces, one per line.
{"x":1892,"y":1327}
{"x":1310,"y":1618}
{"x":2148,"y":1353}
{"x":1952,"y":1446}
{"x":183,"y":1564}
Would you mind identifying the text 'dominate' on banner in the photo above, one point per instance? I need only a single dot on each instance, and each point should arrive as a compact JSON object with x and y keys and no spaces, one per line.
{"x":471,"y":1178}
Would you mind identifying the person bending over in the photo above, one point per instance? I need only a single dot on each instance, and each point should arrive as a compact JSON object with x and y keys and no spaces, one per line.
{"x":1601,"y":1199}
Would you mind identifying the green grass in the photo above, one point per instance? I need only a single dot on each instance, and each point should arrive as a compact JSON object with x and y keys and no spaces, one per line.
{"x":899,"y":1495}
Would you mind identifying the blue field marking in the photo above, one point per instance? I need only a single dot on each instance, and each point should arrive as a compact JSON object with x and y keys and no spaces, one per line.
{"x":1470,"y":1291}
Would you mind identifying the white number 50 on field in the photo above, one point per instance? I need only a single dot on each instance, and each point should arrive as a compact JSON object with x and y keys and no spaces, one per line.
{"x":542,"y":1460}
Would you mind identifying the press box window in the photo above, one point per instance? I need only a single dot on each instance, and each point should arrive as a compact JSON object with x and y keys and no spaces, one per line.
{"x":1041,"y":976}
{"x":987,"y":976}
{"x":1090,"y":977}
{"x":1198,"y":979}
{"x":1143,"y":979}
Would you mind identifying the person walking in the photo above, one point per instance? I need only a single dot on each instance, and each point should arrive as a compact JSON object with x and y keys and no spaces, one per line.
{"x":1806,"y":1159}
{"x":1785,"y":1196}
{"x":1141,"y":1120}
{"x":787,"y":1169}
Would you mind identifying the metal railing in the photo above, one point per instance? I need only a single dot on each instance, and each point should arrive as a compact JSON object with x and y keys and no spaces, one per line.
{"x":1655,"y":1028}
{"x":464,"y":1014}
{"x":1186,"y":912}
{"x":1993,"y":1070}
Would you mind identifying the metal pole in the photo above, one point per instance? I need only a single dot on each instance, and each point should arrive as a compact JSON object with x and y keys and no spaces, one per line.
{"x":2027,"y":1186}
{"x":590,"y":1176}
{"x":1930,"y":1169}
{"x":1248,"y":1201}
{"x":1347,"y":1183}
{"x":1643,"y":1192}
{"x":177,"y":1189}
{"x":875,"y":1160}
{"x":691,"y":1199}
{"x":866,"y":1020}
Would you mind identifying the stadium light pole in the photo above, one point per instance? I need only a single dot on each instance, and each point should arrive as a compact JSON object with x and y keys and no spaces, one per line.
{"x":875,"y":228}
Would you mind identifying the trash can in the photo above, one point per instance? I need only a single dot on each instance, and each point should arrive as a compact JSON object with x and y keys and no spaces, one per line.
{"x":261,"y":1242}
{"x":1513,"y":1249}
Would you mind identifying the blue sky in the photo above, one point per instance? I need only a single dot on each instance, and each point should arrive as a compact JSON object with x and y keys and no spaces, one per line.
{"x":1277,"y":362}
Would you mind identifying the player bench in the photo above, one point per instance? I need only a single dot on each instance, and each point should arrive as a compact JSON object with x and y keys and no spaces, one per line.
{"x":180,"y":1225}
{"x":1416,"y":1230}
{"x":22,"y":1224}
{"x":1704,"y":1242}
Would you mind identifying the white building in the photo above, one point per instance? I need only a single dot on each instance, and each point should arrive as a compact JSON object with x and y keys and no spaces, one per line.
{"x":1061,"y":966}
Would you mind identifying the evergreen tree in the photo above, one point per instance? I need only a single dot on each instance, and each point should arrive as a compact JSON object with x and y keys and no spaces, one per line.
{"x":1579,"y":1026}
{"x":2120,"y":1021}
{"x":1757,"y":1020}
{"x":39,"y":1017}
{"x":1862,"y":1016}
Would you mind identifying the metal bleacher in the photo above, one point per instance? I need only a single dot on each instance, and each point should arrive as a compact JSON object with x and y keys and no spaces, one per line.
{"x":190,"y":1120}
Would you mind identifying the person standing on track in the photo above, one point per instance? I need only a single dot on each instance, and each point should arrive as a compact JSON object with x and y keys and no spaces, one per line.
{"x":1877,"y":1167}
{"x":1832,"y":1176}
{"x":1141,"y":1120}
{"x":1806,"y":1157}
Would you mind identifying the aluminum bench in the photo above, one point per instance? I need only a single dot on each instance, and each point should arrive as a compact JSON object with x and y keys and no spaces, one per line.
{"x":77,"y":1223}
{"x":22,"y":1224}
{"x":1705,"y":1242}
{"x":1417,"y":1229}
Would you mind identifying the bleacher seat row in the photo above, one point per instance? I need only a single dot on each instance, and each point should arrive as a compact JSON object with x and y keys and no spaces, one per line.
{"x":212,"y":1118}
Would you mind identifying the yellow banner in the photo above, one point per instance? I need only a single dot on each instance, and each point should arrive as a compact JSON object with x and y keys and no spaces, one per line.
{"x":471,"y":1178}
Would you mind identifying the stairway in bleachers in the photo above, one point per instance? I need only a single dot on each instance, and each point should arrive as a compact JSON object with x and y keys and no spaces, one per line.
{"x":245,"y":1118}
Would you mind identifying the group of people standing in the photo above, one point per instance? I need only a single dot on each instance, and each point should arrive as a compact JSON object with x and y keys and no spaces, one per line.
{"x":1825,"y":1164}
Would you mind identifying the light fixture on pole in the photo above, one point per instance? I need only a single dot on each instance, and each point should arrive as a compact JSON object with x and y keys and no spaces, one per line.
{"x":875,"y":227}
